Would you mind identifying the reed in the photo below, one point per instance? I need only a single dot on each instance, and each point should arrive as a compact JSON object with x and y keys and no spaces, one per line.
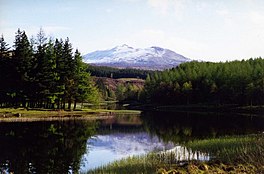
{"x":226,"y":149}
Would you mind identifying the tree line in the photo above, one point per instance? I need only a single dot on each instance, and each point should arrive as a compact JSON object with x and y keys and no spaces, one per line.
{"x":110,"y":72}
{"x":235,"y":82}
{"x":43,"y":72}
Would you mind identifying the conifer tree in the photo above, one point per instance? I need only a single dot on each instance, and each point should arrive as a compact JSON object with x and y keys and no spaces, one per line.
{"x":23,"y":57}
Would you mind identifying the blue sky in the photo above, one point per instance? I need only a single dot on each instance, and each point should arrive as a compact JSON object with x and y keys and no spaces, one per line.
{"x":211,"y":30}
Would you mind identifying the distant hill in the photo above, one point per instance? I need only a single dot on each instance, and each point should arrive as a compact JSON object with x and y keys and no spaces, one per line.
{"x":112,"y":84}
{"x":153,"y":58}
{"x":104,"y":71}
{"x":122,"y":89}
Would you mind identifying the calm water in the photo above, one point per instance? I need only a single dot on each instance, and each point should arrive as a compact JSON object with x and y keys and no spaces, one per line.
{"x":76,"y":145}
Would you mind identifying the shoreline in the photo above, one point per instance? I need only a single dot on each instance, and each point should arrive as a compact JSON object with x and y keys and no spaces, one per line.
{"x":24,"y":115}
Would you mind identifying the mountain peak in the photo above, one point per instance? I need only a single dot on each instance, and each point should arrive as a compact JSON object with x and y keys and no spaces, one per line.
{"x":157,"y":48}
{"x":124,"y":46}
{"x":124,"y":56}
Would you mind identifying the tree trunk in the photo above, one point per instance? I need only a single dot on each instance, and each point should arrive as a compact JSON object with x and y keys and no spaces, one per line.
{"x":69,"y":104}
{"x":58,"y":104}
{"x":63,"y":106}
{"x":75,"y":103}
{"x":53,"y":106}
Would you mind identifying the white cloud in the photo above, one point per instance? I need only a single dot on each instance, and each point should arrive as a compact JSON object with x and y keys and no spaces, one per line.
{"x":257,"y":17}
{"x":153,"y":37}
{"x":160,"y":5}
{"x":54,"y":29}
{"x":109,"y":10}
{"x":223,"y":12}
{"x":169,"y":7}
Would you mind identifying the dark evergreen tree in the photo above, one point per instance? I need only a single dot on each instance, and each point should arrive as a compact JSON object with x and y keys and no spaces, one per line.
{"x":23,"y":57}
{"x":6,"y":74}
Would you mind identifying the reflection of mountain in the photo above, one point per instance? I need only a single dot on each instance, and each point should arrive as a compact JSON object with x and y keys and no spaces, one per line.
{"x":120,"y":145}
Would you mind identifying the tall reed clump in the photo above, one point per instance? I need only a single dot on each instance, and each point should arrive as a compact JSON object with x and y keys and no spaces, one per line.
{"x":225,"y":149}
{"x":131,"y":165}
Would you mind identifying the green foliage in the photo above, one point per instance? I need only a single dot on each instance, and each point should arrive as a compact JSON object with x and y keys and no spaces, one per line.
{"x":236,"y":82}
{"x":103,"y":71}
{"x":44,"y":73}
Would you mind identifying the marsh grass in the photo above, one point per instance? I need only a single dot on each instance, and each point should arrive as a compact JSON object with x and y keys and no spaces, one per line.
{"x":131,"y":165}
{"x":143,"y":164}
{"x":226,"y":149}
{"x":254,"y":153}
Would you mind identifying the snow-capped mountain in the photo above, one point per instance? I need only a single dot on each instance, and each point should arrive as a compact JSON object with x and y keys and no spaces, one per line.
{"x":124,"y":56}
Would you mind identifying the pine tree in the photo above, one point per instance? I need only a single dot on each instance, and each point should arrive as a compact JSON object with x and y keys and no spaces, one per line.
{"x":68,"y":72}
{"x":3,"y":48}
{"x":40,"y":66}
{"x":60,"y":64}
{"x":84,"y":88}
{"x":23,"y":57}
{"x":50,"y":76}
{"x":5,"y":67}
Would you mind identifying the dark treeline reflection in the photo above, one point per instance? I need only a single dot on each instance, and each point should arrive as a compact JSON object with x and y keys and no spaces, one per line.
{"x":44,"y":147}
{"x":181,"y":127}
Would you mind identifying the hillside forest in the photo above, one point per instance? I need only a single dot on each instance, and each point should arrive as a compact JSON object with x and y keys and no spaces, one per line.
{"x":235,"y":82}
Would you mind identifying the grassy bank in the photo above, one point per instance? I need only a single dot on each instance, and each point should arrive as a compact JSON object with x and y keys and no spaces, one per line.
{"x":149,"y":165}
{"x":230,"y":155}
{"x":22,"y":114}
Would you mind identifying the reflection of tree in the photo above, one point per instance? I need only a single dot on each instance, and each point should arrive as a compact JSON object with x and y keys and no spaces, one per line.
{"x":45,"y":147}
{"x":182,"y":127}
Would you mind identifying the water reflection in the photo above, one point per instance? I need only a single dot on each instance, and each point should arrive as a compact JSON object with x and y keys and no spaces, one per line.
{"x":181,"y":127}
{"x":182,"y":154}
{"x":43,"y":147}
{"x":110,"y":147}
{"x":75,"y":145}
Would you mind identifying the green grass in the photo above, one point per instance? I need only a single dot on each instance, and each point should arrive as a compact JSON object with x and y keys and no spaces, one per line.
{"x":225,"y":148}
{"x":130,"y":165}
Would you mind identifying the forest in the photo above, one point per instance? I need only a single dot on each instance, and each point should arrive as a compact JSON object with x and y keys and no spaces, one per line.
{"x":43,"y":73}
{"x":235,"y":82}
{"x":104,"y":71}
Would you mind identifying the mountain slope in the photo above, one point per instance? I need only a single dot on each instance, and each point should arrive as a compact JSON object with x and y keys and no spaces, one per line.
{"x":153,"y":58}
